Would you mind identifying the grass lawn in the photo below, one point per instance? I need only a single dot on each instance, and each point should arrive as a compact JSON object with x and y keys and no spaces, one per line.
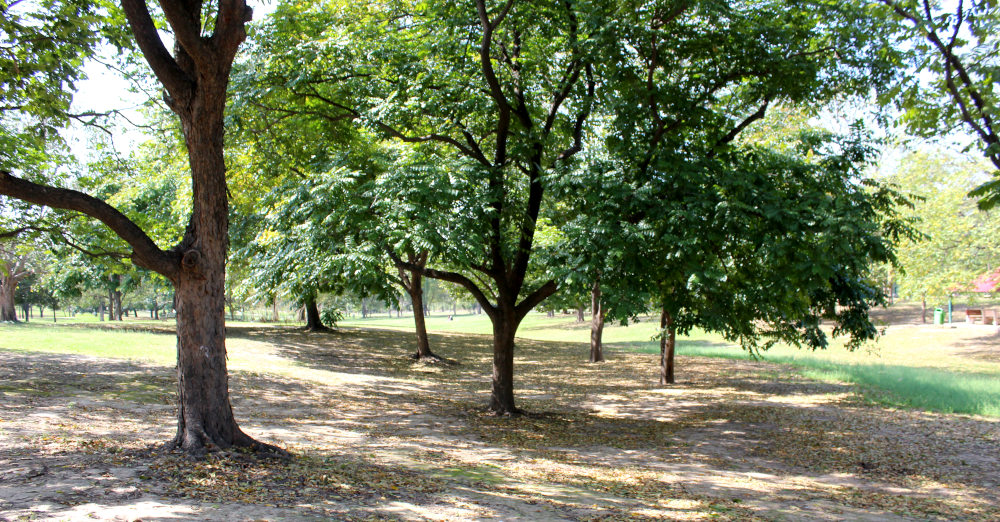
{"x":935,"y":368}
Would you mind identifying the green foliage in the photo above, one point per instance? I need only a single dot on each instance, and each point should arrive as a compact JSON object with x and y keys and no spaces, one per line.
{"x":952,"y":50}
{"x":960,"y":242}
{"x":331,"y":316}
{"x":44,"y":46}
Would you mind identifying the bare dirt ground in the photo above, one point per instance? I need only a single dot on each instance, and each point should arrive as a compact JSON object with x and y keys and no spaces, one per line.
{"x":378,"y":436}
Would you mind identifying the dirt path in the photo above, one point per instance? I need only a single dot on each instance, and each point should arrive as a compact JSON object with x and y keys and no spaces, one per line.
{"x":376,"y":436}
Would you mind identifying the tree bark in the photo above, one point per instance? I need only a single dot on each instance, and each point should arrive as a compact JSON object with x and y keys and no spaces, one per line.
{"x":596,"y":323}
{"x":580,"y":317}
{"x":111,"y":305}
{"x":313,"y":322}
{"x":8,"y":309}
{"x":423,"y":343}
{"x":502,"y":395}
{"x":667,"y":344}
{"x":413,"y":282}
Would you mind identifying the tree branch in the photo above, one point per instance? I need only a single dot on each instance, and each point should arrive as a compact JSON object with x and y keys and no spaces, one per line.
{"x":534,"y":299}
{"x":452,"y":277}
{"x":174,"y":79}
{"x":735,"y":131}
{"x":184,"y":18}
{"x":146,"y":253}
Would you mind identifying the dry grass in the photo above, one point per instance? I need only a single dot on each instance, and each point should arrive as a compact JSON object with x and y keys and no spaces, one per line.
{"x":377,"y":435}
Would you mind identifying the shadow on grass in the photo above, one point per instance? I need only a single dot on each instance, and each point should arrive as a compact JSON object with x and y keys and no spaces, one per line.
{"x":606,"y":427}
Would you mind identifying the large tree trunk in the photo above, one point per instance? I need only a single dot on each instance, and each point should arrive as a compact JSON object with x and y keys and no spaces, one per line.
{"x":667,"y":344}
{"x":504,"y":329}
{"x":8,"y":309}
{"x":313,"y":322}
{"x":596,"y":323}
{"x":205,"y":419}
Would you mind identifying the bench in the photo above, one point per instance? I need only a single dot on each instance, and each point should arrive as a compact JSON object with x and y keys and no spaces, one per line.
{"x":972,"y":315}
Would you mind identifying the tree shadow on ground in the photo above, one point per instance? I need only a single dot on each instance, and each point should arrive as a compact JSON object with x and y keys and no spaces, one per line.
{"x":598,"y":440}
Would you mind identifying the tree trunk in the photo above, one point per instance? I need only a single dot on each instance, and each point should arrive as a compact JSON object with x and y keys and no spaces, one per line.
{"x":118,"y":296}
{"x":26,"y":309}
{"x":416,"y":291}
{"x":101,"y":307}
{"x":579,"y":314}
{"x":313,"y":322}
{"x":205,"y":419}
{"x":8,"y":309}
{"x":41,"y":312}
{"x":667,"y":343}
{"x":111,"y":305}
{"x":504,"y":329}
{"x":274,"y":310}
{"x":596,"y":323}
{"x":923,"y":309}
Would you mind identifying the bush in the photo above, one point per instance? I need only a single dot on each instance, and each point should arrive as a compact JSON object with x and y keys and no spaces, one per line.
{"x":330,"y":316}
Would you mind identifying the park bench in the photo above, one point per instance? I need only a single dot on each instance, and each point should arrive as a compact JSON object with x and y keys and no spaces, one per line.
{"x":972,"y":315}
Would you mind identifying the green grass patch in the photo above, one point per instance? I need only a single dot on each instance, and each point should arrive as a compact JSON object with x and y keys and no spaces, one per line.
{"x":894,"y":385}
{"x":49,"y":338}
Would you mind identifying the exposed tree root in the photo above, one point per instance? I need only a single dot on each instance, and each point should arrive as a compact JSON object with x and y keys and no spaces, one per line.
{"x":198,"y":444}
{"x":319,"y":329}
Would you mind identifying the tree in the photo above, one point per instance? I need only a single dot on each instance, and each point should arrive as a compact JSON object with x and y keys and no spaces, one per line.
{"x":959,"y":243}
{"x":959,"y":48}
{"x":729,"y":236}
{"x":14,"y":268}
{"x":195,"y":79}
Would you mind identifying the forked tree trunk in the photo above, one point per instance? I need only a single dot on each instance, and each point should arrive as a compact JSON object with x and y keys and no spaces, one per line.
{"x":313,"y":322}
{"x":667,"y":344}
{"x":596,"y":323}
